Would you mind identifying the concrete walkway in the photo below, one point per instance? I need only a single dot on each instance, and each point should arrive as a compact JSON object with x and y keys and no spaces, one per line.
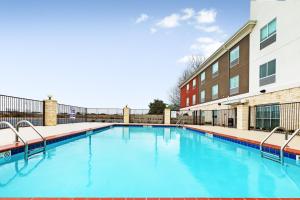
{"x":8,"y":137}
{"x":276,"y":139}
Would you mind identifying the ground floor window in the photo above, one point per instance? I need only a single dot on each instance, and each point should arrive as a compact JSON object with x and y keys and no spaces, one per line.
{"x":267,"y":116}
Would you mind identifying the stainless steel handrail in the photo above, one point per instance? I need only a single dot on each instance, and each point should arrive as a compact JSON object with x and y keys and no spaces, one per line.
{"x":264,"y":140}
{"x":286,"y":143}
{"x":18,"y":136}
{"x":31,"y":125}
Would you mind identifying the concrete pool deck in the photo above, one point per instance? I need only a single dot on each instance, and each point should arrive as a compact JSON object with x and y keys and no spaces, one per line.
{"x":7,"y":136}
{"x":277,"y":139}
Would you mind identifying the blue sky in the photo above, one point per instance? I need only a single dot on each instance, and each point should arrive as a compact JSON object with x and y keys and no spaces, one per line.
{"x":98,"y":53}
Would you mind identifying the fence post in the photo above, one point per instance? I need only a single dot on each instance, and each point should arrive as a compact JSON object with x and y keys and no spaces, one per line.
{"x":50,"y":112}
{"x":126,"y":114}
{"x":167,"y":116}
{"x":243,"y":117}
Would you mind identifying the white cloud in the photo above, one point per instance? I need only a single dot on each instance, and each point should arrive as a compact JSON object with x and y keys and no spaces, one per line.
{"x":142,"y":18}
{"x":187,"y":13}
{"x":170,"y":21}
{"x":205,"y":16}
{"x":153,"y":30}
{"x":209,"y":29}
{"x":206,"y":46}
{"x":184,"y":59}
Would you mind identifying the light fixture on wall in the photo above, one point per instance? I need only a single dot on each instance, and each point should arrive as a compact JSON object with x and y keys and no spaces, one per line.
{"x":263,"y":91}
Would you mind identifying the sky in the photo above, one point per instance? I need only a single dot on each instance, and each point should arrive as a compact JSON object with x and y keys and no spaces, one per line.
{"x":108,"y":53}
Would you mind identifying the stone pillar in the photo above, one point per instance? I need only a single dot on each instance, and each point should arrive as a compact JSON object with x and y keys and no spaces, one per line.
{"x":126,"y":114}
{"x":50,"y":112}
{"x":167,"y":116}
{"x":243,"y":117}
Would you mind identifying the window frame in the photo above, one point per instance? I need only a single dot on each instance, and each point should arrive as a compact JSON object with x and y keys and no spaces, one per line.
{"x":187,"y":102}
{"x":202,"y":74}
{"x":267,"y":69}
{"x":202,"y":99}
{"x":188,"y":87}
{"x":237,"y":59}
{"x":214,"y":74}
{"x":236,"y":76}
{"x":194,"y":100}
{"x":267,"y":26}
{"x":216,"y":96}
{"x":194,"y":81}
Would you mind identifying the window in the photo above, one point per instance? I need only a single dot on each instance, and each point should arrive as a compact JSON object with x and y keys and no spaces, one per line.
{"x":215,"y":91}
{"x":234,"y":85}
{"x":268,"y":34}
{"x":188,"y":87}
{"x":234,"y":56}
{"x":187,"y":103}
{"x":194,"y":99}
{"x":215,"y":69}
{"x":267,"y":116}
{"x":194,"y":83}
{"x":202,"y":96}
{"x":202,"y":77}
{"x":267,"y":73}
{"x":268,"y":30}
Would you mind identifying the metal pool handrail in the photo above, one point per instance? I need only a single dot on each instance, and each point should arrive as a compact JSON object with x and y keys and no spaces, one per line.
{"x":272,"y":132}
{"x":287,"y":142}
{"x":17,"y":136}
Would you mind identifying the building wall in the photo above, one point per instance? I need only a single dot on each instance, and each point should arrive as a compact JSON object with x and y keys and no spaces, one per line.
{"x":286,"y":49}
{"x":223,"y":77}
{"x":184,"y":93}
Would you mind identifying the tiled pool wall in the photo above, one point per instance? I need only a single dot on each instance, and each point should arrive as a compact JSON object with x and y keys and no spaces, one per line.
{"x":71,"y":135}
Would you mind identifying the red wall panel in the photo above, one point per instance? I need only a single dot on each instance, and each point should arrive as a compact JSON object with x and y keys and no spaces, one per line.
{"x":184,"y":93}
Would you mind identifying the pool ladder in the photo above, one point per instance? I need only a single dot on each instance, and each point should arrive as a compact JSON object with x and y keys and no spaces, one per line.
{"x":277,"y":158}
{"x":27,"y":152}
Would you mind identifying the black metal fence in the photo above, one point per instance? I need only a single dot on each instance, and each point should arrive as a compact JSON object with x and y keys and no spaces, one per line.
{"x":224,"y":117}
{"x":14,"y":109}
{"x":266,"y":117}
{"x":70,"y":114}
{"x":143,"y":116}
{"x":105,"y":115}
{"x":182,"y":117}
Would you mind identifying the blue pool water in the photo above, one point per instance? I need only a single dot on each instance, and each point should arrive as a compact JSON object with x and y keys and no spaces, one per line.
{"x":148,"y":162}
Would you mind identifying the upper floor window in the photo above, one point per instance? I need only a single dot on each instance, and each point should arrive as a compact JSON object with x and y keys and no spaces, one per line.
{"x":215,"y":69}
{"x":187,"y":103}
{"x":267,"y":73}
{"x":268,"y":34}
{"x":194,"y":99}
{"x":194,"y":83}
{"x":188,"y":87}
{"x":202,"y":96}
{"x":234,"y":56}
{"x":234,"y":84}
{"x":202,"y":77}
{"x":215,"y":91}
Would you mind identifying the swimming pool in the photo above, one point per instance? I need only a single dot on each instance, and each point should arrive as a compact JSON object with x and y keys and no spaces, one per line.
{"x":148,"y":162}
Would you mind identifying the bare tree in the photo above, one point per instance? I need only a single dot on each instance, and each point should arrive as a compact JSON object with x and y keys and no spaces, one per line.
{"x":192,"y":65}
